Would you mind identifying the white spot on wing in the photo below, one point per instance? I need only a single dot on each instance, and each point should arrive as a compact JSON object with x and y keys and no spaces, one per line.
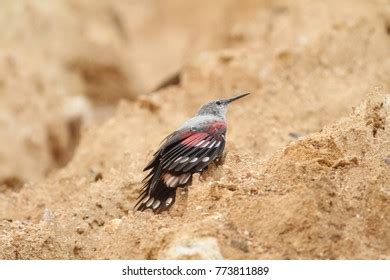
{"x":145,"y":199}
{"x":173,"y":182}
{"x":169,"y":181}
{"x":193,"y":160}
{"x":179,"y":158}
{"x":205,"y":159}
{"x":168,"y":201}
{"x":205,"y":144}
{"x":200,"y":143}
{"x":150,"y":202}
{"x":212,"y":144}
{"x":219,"y":143}
{"x":156,"y":204}
{"x":167,"y":177}
{"x":184,"y":159}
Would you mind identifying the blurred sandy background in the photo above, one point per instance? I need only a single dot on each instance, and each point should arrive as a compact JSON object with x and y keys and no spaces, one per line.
{"x":88,"y":89}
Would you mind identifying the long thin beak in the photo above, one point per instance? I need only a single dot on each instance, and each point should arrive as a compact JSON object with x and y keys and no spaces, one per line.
{"x":236,"y":97}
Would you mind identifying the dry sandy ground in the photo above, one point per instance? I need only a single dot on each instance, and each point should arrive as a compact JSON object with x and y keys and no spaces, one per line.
{"x":307,"y":167}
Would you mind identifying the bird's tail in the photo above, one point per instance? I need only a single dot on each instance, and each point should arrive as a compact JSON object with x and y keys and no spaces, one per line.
{"x":160,"y":199}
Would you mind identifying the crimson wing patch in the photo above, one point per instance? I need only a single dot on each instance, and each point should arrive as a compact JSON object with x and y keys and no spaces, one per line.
{"x":182,"y":155}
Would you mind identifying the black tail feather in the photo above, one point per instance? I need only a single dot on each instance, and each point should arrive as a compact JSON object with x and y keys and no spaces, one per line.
{"x":160,"y":200}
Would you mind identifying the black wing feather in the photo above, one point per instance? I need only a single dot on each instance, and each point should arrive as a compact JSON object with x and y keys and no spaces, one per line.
{"x":176,"y":158}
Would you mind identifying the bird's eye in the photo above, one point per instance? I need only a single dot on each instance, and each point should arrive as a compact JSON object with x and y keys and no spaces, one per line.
{"x":218,"y":102}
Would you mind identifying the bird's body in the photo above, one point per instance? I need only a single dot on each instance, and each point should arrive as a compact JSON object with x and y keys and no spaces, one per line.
{"x":188,"y":150}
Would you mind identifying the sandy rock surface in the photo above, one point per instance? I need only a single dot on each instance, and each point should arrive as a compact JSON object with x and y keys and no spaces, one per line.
{"x":307,"y":167}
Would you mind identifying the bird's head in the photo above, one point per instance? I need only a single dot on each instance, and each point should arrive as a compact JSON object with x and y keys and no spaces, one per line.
{"x":218,"y":107}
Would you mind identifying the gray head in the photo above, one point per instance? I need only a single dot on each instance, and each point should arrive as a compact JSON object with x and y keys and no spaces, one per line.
{"x":218,"y":107}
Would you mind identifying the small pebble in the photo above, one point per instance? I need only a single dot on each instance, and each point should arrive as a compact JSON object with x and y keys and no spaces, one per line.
{"x":295,"y":135}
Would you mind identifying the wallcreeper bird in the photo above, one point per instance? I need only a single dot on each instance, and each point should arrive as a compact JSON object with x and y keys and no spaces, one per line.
{"x":188,"y":150}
